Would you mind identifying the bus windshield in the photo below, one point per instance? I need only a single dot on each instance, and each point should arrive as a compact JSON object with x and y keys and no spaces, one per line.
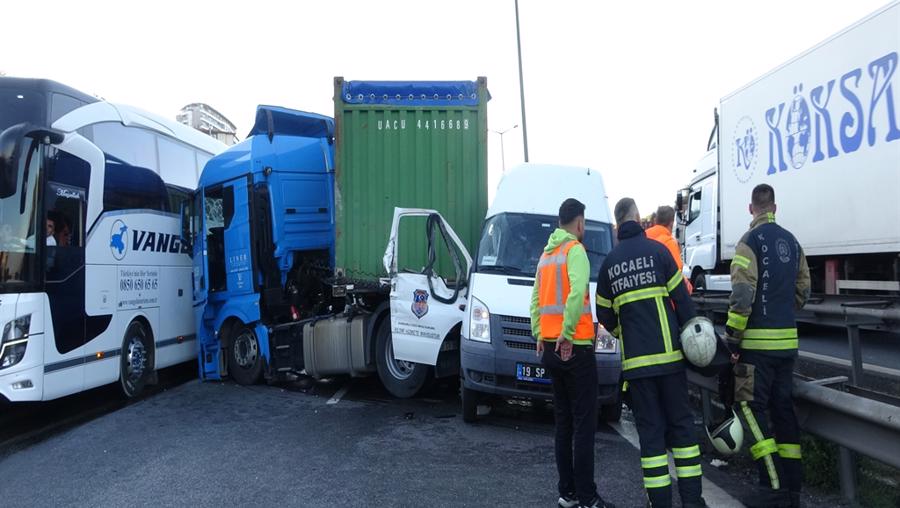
{"x":21,"y":106}
{"x":19,"y":231}
{"x":512,"y":243}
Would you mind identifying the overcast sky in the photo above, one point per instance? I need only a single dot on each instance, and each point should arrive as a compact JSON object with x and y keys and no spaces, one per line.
{"x":625,"y":87}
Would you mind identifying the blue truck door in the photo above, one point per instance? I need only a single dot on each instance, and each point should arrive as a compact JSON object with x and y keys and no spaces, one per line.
{"x":226,"y":272}
{"x":236,"y":211}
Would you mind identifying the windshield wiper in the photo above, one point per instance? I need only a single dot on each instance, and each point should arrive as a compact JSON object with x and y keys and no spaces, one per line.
{"x":509,"y":270}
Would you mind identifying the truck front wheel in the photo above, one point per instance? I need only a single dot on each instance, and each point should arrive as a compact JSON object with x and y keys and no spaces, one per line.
{"x":699,"y":281}
{"x":244,"y":358}
{"x":401,"y":378}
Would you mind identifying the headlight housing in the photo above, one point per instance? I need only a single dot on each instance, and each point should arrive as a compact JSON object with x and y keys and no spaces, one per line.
{"x":479,"y":321}
{"x":606,"y":343}
{"x":14,"y":341}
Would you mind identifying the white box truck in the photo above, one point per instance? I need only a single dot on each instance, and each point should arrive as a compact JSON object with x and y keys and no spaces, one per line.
{"x":823,"y":130}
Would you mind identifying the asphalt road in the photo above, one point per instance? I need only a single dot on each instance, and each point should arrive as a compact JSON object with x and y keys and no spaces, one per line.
{"x":219,"y":444}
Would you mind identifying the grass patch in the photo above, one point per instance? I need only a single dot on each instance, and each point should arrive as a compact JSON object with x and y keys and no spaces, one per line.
{"x":877,"y":483}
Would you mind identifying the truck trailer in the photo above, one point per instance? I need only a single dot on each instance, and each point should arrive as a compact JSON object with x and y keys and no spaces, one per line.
{"x":823,"y":131}
{"x":288,"y":232}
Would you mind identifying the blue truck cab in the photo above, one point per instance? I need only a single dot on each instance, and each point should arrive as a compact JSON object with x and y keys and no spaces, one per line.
{"x":259,"y":206}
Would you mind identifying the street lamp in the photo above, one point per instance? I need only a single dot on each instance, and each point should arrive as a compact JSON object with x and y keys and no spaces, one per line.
{"x":502,"y":152}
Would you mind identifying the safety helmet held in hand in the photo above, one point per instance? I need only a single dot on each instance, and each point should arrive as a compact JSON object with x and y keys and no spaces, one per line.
{"x":728,"y":436}
{"x":698,"y":341}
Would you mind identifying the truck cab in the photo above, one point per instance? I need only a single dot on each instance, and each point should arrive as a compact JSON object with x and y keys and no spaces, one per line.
{"x":697,"y":207}
{"x":498,"y":350}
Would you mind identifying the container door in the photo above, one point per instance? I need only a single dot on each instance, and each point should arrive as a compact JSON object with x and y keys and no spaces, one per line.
{"x":429,"y":269}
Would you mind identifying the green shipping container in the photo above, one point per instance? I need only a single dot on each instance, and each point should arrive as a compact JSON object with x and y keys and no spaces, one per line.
{"x":411,"y":145}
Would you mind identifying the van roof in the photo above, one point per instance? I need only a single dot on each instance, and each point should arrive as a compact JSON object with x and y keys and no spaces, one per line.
{"x":541,"y":188}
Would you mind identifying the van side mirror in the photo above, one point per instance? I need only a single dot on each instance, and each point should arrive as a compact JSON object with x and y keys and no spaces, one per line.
{"x":186,"y":216}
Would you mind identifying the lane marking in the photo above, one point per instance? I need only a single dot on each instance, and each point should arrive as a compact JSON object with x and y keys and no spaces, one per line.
{"x":339,"y":395}
{"x":712,"y":493}
{"x":833,"y":360}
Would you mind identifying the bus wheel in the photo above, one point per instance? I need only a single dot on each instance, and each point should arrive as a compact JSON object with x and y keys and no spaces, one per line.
{"x":245,"y":362}
{"x":136,"y":367}
{"x":402,"y":379}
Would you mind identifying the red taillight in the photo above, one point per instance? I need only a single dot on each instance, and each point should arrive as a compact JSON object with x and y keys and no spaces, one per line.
{"x":295,"y":314}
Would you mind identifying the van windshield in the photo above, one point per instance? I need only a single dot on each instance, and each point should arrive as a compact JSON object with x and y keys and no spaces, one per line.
{"x":512,"y":243}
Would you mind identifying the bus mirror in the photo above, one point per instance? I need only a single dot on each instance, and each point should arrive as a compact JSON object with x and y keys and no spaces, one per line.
{"x":186,"y":224}
{"x":11,"y":143}
{"x":46,"y":136}
{"x":12,"y":148}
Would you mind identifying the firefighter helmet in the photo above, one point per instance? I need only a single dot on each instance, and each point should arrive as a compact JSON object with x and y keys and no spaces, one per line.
{"x":698,"y":341}
{"x":727,"y":437}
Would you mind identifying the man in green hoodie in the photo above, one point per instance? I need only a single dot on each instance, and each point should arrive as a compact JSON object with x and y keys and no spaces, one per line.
{"x":561,"y":315}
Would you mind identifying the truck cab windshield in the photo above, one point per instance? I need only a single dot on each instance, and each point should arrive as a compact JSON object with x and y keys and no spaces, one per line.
{"x":512,"y":243}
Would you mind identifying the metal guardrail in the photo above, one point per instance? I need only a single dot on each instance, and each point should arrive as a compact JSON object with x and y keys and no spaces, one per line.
{"x":856,"y":424}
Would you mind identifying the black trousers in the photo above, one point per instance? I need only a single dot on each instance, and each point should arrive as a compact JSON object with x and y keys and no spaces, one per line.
{"x":575,"y":406}
{"x":664,"y":422}
{"x":764,"y":384}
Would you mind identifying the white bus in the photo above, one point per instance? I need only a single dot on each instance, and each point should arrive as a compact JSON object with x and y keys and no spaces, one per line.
{"x":95,"y":287}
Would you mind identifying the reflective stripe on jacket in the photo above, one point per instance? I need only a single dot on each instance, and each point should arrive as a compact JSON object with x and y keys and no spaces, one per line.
{"x":769,"y":280}
{"x":636,"y":287}
{"x":553,"y":293}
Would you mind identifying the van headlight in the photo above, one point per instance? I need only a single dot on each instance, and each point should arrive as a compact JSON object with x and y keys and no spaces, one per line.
{"x":605,"y":343}
{"x":479,"y":321}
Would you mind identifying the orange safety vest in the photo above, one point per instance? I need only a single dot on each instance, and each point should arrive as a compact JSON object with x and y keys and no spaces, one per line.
{"x":553,"y":277}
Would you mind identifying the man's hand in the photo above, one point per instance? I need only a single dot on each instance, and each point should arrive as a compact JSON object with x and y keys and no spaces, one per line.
{"x":564,"y":348}
{"x":540,"y":347}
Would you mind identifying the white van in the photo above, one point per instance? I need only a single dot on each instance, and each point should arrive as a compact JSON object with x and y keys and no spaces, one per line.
{"x":498,"y":350}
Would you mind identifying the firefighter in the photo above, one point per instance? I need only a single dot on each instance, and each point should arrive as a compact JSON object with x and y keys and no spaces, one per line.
{"x":561,"y":316}
{"x":661,"y":231}
{"x":769,"y":280}
{"x":637,"y":285}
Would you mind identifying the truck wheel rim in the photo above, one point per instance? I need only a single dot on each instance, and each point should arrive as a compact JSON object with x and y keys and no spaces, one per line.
{"x":246,"y":350}
{"x":135,"y":360}
{"x":399,"y":369}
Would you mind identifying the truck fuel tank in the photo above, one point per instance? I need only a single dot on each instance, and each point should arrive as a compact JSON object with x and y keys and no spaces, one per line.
{"x":336,"y":346}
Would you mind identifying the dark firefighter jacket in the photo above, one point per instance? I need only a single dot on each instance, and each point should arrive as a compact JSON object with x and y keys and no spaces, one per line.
{"x":769,"y":281}
{"x":637,"y":286}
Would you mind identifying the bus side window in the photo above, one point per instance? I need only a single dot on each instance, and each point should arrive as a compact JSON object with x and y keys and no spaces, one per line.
{"x":177,"y":195}
{"x":67,"y":181}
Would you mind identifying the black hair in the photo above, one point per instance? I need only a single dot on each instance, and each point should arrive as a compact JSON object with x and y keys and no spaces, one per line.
{"x":570,"y":210}
{"x":763,"y":197}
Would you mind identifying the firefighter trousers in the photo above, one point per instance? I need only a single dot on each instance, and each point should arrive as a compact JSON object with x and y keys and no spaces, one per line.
{"x":763,"y":384}
{"x":664,"y":422}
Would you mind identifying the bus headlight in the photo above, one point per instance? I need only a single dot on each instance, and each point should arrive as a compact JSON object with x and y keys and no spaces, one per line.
{"x":14,"y":341}
{"x":479,"y":321}
{"x":606,"y":343}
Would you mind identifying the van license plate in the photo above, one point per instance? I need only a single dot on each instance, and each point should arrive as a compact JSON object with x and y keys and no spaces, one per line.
{"x":532,"y":373}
